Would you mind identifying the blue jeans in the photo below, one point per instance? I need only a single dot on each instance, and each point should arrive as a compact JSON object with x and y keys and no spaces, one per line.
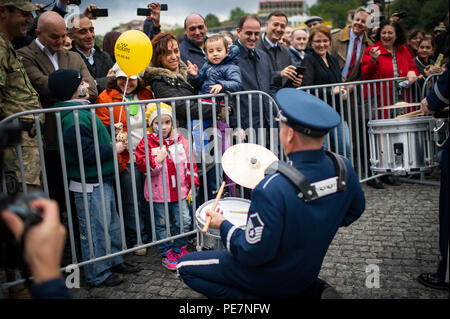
{"x":126,"y":189}
{"x":160,"y":225}
{"x":99,"y":271}
{"x":341,"y":140}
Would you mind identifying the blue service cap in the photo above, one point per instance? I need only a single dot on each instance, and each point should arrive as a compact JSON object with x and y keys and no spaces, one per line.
{"x":306,"y":113}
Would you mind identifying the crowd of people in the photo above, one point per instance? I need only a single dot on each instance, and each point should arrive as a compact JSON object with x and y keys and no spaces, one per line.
{"x":57,"y":65}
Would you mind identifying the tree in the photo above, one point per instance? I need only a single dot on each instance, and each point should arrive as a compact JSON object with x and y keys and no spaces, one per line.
{"x":335,"y":10}
{"x":237,"y":13}
{"x":424,"y":15}
{"x":212,"y":20}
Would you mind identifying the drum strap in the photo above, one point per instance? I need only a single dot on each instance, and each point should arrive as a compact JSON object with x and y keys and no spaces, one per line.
{"x":308,"y":191}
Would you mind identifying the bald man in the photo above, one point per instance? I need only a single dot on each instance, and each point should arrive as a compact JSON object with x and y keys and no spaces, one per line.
{"x":43,"y":56}
{"x":194,"y":40}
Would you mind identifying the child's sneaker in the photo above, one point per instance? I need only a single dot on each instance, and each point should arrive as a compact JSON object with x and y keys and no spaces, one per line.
{"x":183,"y":251}
{"x":170,"y":261}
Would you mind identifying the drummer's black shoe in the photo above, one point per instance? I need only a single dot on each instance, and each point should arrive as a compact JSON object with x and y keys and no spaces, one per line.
{"x":390,"y":180}
{"x":432,"y":281}
{"x":375,"y":183}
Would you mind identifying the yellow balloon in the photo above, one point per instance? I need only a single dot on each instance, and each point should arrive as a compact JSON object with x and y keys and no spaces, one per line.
{"x":133,"y":52}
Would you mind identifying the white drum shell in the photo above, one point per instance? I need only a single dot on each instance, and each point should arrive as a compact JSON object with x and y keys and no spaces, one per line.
{"x":402,"y":146}
{"x":212,"y":238}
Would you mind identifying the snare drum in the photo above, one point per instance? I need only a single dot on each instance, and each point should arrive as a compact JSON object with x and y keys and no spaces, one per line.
{"x":402,"y":146}
{"x":232,"y":208}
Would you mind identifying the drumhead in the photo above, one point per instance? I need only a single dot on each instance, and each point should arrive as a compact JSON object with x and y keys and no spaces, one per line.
{"x":229,"y":206}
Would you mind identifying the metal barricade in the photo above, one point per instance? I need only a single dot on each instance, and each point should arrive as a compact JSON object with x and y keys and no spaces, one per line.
{"x":254,"y":102}
{"x":257,"y":109}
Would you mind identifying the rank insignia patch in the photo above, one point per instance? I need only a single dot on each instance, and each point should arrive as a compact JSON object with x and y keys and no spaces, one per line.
{"x":254,"y":230}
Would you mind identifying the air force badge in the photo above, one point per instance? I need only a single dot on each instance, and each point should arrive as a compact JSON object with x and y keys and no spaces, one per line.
{"x":254,"y":230}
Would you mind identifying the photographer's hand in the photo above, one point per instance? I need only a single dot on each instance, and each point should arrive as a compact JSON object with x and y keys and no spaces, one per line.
{"x":44,"y":242}
{"x":156,"y":13}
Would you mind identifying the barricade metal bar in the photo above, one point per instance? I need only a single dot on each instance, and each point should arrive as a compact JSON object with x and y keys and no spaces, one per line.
{"x":117,"y":177}
{"x":41,"y":153}
{"x":132,"y":162}
{"x":83,"y":183}
{"x":164,"y":167}
{"x":149,"y":178}
{"x":66,"y":186}
{"x":202,"y":148}
{"x":100,"y":182}
{"x":177,"y":165}
{"x":216,"y":132}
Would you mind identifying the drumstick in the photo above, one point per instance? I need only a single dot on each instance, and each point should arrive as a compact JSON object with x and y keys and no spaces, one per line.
{"x":238,"y":212}
{"x":398,"y":106}
{"x":411,"y":114}
{"x":208,"y":220}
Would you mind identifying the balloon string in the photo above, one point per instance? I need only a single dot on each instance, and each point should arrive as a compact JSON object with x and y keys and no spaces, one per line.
{"x":123,"y":100}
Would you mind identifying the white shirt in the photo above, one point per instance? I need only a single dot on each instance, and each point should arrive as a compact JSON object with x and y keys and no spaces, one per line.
{"x":53,"y":57}
{"x":353,"y":36}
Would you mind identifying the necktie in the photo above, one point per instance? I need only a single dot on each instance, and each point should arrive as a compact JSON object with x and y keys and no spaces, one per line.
{"x":251,"y":54}
{"x":353,"y":59}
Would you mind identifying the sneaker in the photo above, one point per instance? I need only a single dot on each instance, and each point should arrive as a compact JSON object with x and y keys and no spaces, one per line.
{"x":170,"y":261}
{"x":183,"y":251}
{"x":140,"y":252}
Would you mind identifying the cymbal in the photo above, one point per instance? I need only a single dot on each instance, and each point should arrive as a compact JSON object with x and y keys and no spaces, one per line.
{"x":245,"y":163}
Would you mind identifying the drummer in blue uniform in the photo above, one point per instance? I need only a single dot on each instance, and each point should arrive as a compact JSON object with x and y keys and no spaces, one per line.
{"x":294,"y":215}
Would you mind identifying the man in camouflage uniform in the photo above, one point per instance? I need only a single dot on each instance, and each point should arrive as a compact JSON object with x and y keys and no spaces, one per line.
{"x":16,"y":91}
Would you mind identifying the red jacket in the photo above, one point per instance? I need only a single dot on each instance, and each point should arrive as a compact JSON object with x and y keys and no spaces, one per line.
{"x":109,"y":96}
{"x":384,"y":69}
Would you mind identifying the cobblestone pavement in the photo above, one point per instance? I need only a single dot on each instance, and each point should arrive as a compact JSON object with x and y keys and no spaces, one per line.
{"x":397,"y":234}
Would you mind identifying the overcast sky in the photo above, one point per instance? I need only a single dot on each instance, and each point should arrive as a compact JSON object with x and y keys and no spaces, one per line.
{"x":122,"y":11}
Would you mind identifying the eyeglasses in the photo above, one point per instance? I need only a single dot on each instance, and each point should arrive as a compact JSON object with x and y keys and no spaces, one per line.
{"x":250,"y":33}
{"x":193,"y":28}
{"x":321,"y":41}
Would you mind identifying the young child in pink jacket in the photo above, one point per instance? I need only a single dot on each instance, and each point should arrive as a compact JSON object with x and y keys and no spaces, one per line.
{"x":165,"y":158}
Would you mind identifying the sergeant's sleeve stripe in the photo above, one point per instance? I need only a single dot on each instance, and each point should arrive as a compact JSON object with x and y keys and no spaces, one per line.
{"x":270,"y":179}
{"x":439,"y":95}
{"x":204,"y":262}
{"x":230,"y":233}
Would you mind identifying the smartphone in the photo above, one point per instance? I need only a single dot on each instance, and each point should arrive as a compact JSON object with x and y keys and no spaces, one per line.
{"x":99,"y":13}
{"x":402,"y":15}
{"x":146,"y":12}
{"x":75,"y":2}
{"x":300,"y":70}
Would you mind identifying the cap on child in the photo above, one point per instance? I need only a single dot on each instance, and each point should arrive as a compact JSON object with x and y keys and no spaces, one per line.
{"x":152,"y":113}
{"x":63,"y":83}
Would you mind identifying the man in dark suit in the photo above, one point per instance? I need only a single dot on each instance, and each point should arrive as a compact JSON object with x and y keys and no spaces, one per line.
{"x":280,"y":58}
{"x":43,"y":56}
{"x":98,"y":62}
{"x":256,"y":75}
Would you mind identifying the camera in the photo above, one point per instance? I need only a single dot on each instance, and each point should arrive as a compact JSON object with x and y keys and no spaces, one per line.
{"x":75,"y":2}
{"x":11,"y":254}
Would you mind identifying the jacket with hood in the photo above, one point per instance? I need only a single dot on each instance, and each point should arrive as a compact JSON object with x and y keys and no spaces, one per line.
{"x":109,"y":96}
{"x":170,"y":167}
{"x":227,"y":73}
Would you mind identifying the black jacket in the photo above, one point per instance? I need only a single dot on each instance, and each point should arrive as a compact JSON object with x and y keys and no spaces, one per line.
{"x":167,"y":84}
{"x":189,"y":51}
{"x":102,"y":64}
{"x":318,"y":73}
{"x":256,"y":76}
{"x":280,"y":58}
